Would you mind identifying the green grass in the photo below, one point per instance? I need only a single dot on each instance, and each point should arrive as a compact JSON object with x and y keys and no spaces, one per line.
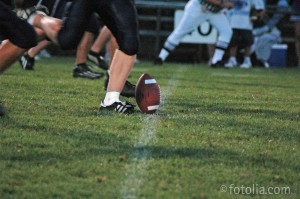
{"x":215,"y":127}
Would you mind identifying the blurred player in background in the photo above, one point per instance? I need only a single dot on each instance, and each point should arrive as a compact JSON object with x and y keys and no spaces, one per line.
{"x":266,"y":31}
{"x":296,"y":19}
{"x":20,"y":37}
{"x":59,"y":9}
{"x":121,"y":18}
{"x":241,"y":23}
{"x":195,"y":13}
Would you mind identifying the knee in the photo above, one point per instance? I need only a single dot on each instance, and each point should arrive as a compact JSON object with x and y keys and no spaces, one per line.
{"x":226,"y":36}
{"x":129,"y":45}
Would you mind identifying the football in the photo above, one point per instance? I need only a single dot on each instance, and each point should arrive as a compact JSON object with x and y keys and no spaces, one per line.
{"x":147,"y":94}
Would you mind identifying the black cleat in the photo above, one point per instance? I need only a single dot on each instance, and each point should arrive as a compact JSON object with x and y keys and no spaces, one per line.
{"x":98,"y":60}
{"x":83,"y":70}
{"x":218,"y":64}
{"x":119,"y":107}
{"x":2,"y":111}
{"x":128,"y":89}
{"x":158,"y":61}
{"x":27,"y":63}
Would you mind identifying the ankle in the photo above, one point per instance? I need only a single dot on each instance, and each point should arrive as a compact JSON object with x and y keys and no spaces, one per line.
{"x":111,"y":97}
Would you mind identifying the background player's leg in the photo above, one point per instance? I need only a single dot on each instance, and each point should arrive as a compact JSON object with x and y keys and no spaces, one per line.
{"x":9,"y":53}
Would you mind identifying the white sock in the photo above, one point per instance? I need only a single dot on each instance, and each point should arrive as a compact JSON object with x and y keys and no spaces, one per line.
{"x":218,"y":55}
{"x":163,"y":54}
{"x":31,"y":18}
{"x":111,"y":97}
{"x":233,"y":59}
{"x":247,"y":59}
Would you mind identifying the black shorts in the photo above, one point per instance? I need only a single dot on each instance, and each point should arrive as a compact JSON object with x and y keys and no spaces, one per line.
{"x":19,"y":32}
{"x":61,"y":10}
{"x":118,"y":15}
{"x":241,"y":36}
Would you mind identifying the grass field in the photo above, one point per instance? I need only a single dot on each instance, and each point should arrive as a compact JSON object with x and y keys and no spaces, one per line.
{"x":219,"y":134}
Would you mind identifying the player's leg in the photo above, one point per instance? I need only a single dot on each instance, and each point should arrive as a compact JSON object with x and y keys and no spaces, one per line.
{"x":32,"y":52}
{"x":67,"y":33}
{"x":191,"y":18}
{"x":27,"y":60}
{"x":232,"y":62}
{"x":248,"y":40}
{"x":100,"y":42}
{"x":9,"y":53}
{"x":81,"y":69}
{"x":121,"y":18}
{"x":20,"y":34}
{"x":221,"y":23}
{"x":129,"y":88}
{"x":49,"y":25}
{"x":83,"y":47}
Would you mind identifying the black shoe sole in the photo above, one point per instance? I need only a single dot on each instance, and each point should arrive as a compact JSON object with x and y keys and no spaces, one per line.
{"x":87,"y":77}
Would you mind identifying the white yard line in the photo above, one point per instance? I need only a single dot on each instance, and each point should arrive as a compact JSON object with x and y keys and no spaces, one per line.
{"x":141,"y":156}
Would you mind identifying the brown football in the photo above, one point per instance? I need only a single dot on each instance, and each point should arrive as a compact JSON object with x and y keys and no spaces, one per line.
{"x":147,"y":94}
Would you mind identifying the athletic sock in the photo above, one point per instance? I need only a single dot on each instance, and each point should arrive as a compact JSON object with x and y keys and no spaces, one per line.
{"x":111,"y":97}
{"x":163,"y":54}
{"x":218,"y":55}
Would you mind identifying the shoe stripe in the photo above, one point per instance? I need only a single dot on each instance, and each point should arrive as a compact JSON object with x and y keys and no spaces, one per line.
{"x":90,"y":74}
{"x":24,"y":62}
{"x":93,"y":59}
{"x":121,"y":108}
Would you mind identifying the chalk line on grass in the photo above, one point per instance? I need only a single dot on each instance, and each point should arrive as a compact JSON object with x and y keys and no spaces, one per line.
{"x":141,"y":156}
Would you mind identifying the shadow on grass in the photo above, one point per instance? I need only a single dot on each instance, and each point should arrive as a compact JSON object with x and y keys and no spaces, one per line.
{"x":261,"y":122}
{"x":75,"y":146}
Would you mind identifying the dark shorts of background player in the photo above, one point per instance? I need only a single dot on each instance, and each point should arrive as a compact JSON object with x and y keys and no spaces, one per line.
{"x":295,"y":16}
{"x":61,"y":11}
{"x":118,"y":15}
{"x":19,"y":32}
{"x":241,"y":36}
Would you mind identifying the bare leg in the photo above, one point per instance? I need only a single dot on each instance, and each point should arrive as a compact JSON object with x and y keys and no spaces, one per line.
{"x":84,"y":47}
{"x":49,"y":25}
{"x":233,"y":50}
{"x":248,"y":51}
{"x":9,"y":53}
{"x":113,"y":46}
{"x":36,"y":50}
{"x":101,"y":40}
{"x":120,"y":68}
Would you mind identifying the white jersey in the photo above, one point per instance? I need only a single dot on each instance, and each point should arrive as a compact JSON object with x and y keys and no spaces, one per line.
{"x":239,"y":15}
